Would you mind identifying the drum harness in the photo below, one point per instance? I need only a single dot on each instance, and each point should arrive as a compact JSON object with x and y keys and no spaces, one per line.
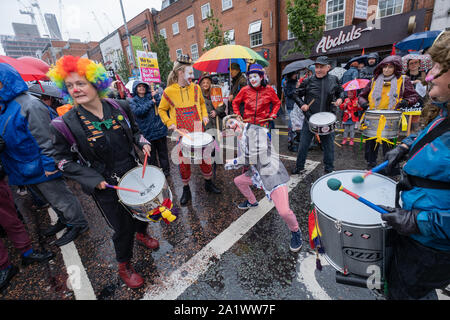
{"x":407,"y":181}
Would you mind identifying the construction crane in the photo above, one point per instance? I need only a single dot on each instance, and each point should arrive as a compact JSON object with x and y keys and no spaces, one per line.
{"x":41,"y":16}
{"x":98,"y":23}
{"x":109,"y":20}
{"x":27,"y":11}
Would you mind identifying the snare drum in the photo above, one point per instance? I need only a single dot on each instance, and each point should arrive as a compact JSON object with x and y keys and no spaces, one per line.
{"x":372,"y":118}
{"x":154,"y":191}
{"x":322,"y":123}
{"x":353,"y":234}
{"x":197,"y":146}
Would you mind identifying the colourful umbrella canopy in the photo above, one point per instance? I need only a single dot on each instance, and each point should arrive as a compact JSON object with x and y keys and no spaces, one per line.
{"x":418,"y":41}
{"x":35,"y":62}
{"x":355,"y":84}
{"x":26,"y":71}
{"x":219,"y":58}
{"x":425,"y":61}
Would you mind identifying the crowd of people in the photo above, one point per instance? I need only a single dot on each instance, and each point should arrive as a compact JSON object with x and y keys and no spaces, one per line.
{"x":95,"y":137}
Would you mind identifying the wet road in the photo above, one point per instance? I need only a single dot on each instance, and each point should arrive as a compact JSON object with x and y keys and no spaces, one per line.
{"x":212,"y":251}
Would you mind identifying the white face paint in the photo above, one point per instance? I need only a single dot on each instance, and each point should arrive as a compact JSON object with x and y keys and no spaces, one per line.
{"x":188,"y":74}
{"x":255,"y":80}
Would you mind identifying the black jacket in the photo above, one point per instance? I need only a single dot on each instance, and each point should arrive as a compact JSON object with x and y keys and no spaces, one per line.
{"x":91,"y":174}
{"x":324,"y":90}
{"x":289,"y":91}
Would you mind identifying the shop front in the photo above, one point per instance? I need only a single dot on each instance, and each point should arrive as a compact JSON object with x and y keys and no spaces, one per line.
{"x":342,"y":44}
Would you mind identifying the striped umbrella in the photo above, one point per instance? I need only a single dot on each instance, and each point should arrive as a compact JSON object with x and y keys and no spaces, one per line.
{"x":219,"y":58}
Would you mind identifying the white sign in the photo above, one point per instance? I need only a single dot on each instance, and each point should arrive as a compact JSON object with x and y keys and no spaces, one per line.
{"x":328,"y":43}
{"x":111,"y":49}
{"x":361,"y":9}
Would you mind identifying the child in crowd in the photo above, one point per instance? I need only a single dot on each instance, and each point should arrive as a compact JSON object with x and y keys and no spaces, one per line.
{"x":351,"y":115}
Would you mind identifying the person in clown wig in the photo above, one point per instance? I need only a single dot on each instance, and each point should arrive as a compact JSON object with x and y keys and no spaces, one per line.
{"x":106,"y":132}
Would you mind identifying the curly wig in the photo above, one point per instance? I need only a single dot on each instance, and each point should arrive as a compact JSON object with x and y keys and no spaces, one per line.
{"x":440,"y":52}
{"x":95,"y":73}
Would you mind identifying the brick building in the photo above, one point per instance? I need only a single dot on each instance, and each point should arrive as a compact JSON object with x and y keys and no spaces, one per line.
{"x":56,"y":49}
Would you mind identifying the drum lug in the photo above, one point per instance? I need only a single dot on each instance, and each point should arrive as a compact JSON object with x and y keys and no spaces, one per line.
{"x":115,"y":176}
{"x":338,"y":225}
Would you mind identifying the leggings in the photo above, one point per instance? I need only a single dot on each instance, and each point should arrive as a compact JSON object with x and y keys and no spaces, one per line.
{"x":279,"y":197}
{"x":349,"y":129}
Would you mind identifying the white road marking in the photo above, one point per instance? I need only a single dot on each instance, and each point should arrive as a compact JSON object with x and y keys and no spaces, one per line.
{"x":78,"y":279}
{"x":171,"y":286}
{"x":307,"y":277}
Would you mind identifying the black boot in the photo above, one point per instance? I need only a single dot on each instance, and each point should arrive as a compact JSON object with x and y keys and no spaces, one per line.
{"x":6,"y":276}
{"x":54,"y":229}
{"x":210,"y":187}
{"x":186,"y":196}
{"x":71,"y":234}
{"x":37,"y":256}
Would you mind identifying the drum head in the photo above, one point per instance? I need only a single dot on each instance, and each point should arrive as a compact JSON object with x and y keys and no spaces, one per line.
{"x":322,"y":118}
{"x":198,"y":139}
{"x":150,"y":186}
{"x":376,"y":188}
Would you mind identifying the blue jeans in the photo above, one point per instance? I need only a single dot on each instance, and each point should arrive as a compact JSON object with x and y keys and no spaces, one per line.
{"x":327,"y":144}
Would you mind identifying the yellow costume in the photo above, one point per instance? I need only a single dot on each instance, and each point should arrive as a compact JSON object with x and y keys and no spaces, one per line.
{"x":384,"y":103}
{"x":175,"y":97}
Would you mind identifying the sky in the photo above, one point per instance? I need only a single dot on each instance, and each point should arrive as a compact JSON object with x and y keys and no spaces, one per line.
{"x":77,"y":18}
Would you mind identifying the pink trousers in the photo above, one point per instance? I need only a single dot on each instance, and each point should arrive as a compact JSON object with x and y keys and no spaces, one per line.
{"x":280,"y":198}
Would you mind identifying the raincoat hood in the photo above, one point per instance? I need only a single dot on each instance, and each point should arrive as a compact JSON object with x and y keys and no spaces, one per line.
{"x":13,"y":84}
{"x":396,"y":61}
{"x":135,"y":85}
{"x":373,"y":55}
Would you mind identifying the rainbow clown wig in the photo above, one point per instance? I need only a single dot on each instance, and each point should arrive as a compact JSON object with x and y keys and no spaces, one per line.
{"x":95,"y":73}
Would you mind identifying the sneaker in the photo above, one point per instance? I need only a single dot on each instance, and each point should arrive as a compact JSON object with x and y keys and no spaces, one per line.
{"x":296,"y":241}
{"x":22,"y":191}
{"x":297,"y":170}
{"x":351,"y":142}
{"x":37,"y":256}
{"x":246,"y":204}
{"x":71,"y":234}
{"x":6,"y":276}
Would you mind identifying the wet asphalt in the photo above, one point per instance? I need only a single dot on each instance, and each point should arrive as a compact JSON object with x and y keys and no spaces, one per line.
{"x":259,"y":266}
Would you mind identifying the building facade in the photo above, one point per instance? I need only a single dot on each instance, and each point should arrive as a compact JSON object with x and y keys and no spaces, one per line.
{"x":56,"y":49}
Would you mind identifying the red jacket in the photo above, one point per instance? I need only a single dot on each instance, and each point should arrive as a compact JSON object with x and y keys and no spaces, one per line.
{"x":257,"y":104}
{"x":350,"y":107}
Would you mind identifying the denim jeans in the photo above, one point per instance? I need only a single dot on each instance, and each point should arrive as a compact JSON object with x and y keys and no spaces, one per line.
{"x":327,"y":144}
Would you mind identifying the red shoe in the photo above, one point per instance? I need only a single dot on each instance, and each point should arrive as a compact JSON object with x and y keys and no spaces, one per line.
{"x":131,"y":278}
{"x":344,"y":141}
{"x":146,"y":240}
{"x":351,"y":141}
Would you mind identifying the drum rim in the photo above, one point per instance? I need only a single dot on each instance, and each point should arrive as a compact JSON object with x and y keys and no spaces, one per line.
{"x":324,"y":124}
{"x":193,"y":146}
{"x":348,"y":170}
{"x":120,"y":180}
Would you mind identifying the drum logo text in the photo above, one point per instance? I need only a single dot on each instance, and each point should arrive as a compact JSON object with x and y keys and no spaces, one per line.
{"x":363,"y":255}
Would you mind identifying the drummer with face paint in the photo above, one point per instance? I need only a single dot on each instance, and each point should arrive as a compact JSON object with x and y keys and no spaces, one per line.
{"x":106,"y":133}
{"x":261,"y":103}
{"x":183,"y":108}
{"x":266,"y":172}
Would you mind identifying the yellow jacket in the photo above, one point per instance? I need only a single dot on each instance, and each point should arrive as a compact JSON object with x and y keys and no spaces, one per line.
{"x":175,"y":96}
{"x":384,"y":103}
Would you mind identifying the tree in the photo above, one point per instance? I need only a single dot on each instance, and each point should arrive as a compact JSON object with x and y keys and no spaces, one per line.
{"x":159,"y":45}
{"x":214,"y":35}
{"x":305,"y":23}
{"x":123,"y":69}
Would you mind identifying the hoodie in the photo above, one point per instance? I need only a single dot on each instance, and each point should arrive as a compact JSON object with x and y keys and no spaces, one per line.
{"x":25,"y":127}
{"x":146,"y":112}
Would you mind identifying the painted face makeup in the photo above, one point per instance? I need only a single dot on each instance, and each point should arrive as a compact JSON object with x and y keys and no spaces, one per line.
{"x":255,"y":80}
{"x":188,"y":74}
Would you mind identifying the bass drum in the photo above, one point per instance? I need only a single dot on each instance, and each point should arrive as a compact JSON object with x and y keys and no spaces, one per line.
{"x":353,"y":234}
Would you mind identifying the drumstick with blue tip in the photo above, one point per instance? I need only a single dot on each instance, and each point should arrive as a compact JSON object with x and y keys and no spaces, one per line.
{"x":335,"y":184}
{"x":360,"y":179}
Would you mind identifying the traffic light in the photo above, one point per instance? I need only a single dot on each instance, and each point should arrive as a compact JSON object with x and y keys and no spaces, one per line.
{"x":266,"y":54}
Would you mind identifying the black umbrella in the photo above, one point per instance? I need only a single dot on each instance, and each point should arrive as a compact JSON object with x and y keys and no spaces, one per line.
{"x":49,"y":90}
{"x":362,"y":58}
{"x":297,"y":65}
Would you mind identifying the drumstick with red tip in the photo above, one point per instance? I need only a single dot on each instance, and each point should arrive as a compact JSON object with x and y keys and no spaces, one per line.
{"x":121,"y":188}
{"x":335,"y":184}
{"x":145,"y":165}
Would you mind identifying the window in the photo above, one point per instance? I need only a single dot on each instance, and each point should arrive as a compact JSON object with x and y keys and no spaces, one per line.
{"x":290,"y":34}
{"x":230,"y":36}
{"x":145,"y":44}
{"x":389,"y":7}
{"x":194,"y":52}
{"x":255,"y":32}
{"x":335,"y":14}
{"x":163,"y":33}
{"x":227,"y":4}
{"x":206,"y":11}
{"x":190,"y":21}
{"x":175,"y":28}
{"x":179,"y":52}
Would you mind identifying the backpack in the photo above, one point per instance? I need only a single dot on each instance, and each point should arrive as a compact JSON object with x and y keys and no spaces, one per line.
{"x":59,"y":124}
